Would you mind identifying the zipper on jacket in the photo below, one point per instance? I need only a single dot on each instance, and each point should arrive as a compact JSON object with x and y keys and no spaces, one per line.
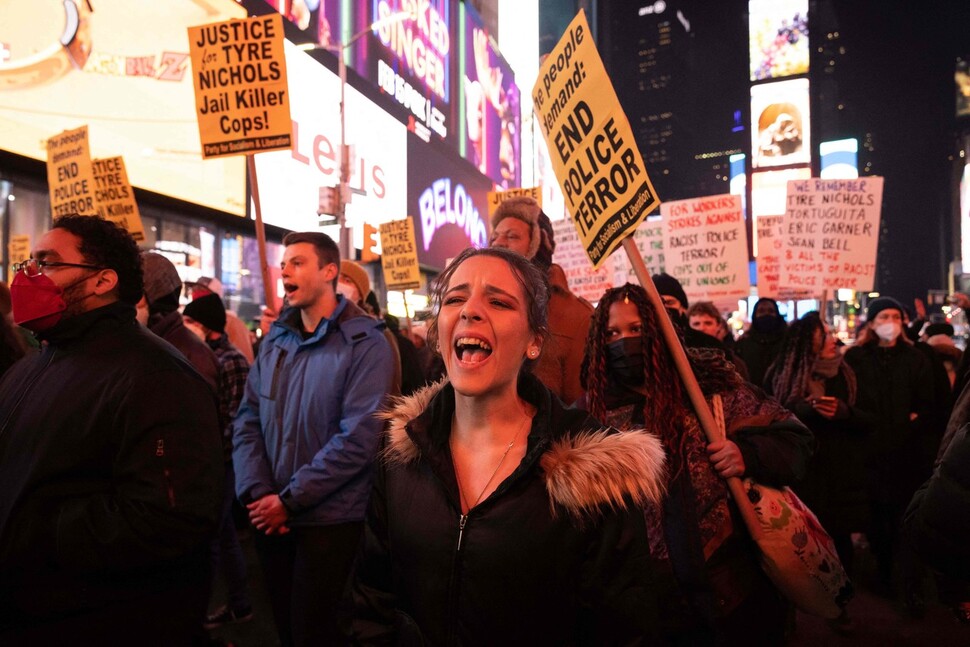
{"x":462,"y":520}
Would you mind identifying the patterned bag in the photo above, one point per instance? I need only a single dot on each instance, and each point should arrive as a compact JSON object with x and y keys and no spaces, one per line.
{"x":796,"y":553}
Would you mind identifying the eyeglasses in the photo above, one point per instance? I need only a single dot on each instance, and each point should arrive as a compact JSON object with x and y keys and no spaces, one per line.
{"x":33,"y":267}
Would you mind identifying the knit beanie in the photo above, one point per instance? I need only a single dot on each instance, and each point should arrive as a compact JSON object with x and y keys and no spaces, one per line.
{"x":162,"y":283}
{"x":883,"y":303}
{"x":357,"y":275}
{"x":670,"y":287}
{"x":209,"y":311}
{"x":527,"y":210}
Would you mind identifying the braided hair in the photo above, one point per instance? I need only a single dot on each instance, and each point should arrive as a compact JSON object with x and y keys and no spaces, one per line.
{"x":789,"y":375}
{"x":664,"y":409}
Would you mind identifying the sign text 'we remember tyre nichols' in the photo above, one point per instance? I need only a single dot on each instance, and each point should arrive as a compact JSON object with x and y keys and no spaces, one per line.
{"x":591,"y":144}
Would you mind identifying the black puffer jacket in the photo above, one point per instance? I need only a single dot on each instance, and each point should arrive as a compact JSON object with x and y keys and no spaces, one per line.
{"x":557,"y":555}
{"x":110,"y":472}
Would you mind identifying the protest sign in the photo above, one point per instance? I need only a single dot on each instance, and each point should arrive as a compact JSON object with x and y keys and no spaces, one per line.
{"x":495,"y":198}
{"x":239,"y":75}
{"x":649,"y":241}
{"x":769,"y":237}
{"x":115,"y":197}
{"x":705,"y":247}
{"x":593,"y":150}
{"x":70,"y":177}
{"x":18,"y":249}
{"x":831,"y":234}
{"x":584,"y":281}
{"x":399,"y":257}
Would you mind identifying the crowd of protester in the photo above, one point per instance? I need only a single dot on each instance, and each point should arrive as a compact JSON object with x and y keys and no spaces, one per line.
{"x":529,"y":471}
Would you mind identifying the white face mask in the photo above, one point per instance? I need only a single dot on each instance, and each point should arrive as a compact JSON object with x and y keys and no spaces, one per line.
{"x":349,"y":292}
{"x":888,"y":331}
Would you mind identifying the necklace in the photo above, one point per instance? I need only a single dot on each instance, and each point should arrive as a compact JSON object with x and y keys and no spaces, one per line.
{"x":491,"y":478}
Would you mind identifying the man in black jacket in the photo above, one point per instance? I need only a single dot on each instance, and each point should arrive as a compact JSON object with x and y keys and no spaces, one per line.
{"x":110,"y":457}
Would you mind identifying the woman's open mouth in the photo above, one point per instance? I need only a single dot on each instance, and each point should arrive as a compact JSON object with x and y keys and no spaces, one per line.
{"x":472,"y":350}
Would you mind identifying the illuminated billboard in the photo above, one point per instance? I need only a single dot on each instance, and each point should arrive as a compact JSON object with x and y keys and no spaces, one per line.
{"x":131,"y":86}
{"x":449,"y":203}
{"x":491,"y":105}
{"x":778,"y":38}
{"x":769,"y":194}
{"x":780,"y":127}
{"x":290,"y":181}
{"x":839,"y":159}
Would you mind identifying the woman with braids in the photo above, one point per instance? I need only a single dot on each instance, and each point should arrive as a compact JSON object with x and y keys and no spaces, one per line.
{"x":811,"y":379}
{"x":499,"y":516}
{"x":714,"y":592}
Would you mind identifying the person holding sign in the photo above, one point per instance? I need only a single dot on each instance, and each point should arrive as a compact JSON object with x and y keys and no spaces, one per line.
{"x":712,"y":589}
{"x":520,"y":225}
{"x":499,"y":516}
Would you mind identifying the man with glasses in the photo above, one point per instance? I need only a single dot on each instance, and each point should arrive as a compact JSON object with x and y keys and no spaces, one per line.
{"x":110,"y":459}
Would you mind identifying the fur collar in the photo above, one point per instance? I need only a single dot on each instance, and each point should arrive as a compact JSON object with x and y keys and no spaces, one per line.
{"x":585,"y":473}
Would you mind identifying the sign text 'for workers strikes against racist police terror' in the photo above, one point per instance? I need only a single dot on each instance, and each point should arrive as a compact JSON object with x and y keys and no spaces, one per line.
{"x":593,"y":150}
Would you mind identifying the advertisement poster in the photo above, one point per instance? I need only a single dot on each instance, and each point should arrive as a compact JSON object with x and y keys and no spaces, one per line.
{"x":132,"y":87}
{"x":831,"y":234}
{"x":705,"y":247}
{"x":593,"y":150}
{"x":780,"y":124}
{"x":399,"y":257}
{"x":70,"y":177}
{"x":290,"y":180}
{"x":491,"y":105}
{"x":115,"y":197}
{"x":241,"y":96}
{"x":778,"y":38}
{"x":449,"y":202}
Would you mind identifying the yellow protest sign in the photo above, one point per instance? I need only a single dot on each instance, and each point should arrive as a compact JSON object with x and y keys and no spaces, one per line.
{"x":593,"y":150}
{"x":18,"y":249}
{"x":400,"y":255}
{"x":70,"y":177}
{"x":495,"y":198}
{"x":115,"y":197}
{"x":241,"y":97}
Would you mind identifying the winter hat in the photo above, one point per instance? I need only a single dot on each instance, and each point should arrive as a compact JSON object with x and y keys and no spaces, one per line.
{"x":161,"y":278}
{"x":935,"y":329}
{"x":357,"y":275}
{"x":209,"y":311}
{"x":210,"y":283}
{"x":527,"y":210}
{"x":670,"y":287}
{"x":883,"y":303}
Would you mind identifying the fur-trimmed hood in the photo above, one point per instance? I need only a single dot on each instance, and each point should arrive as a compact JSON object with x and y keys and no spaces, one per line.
{"x":585,"y":470}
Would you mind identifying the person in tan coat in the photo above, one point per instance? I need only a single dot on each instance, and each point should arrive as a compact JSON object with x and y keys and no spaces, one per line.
{"x":520,"y":225}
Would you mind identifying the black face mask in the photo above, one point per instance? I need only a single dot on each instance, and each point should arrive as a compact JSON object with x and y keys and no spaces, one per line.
{"x":678,"y":318}
{"x":624,"y":361}
{"x":767,"y":323}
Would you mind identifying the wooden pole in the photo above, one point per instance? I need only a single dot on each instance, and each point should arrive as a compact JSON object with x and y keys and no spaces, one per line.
{"x":407,"y":313}
{"x":697,"y":400}
{"x":261,"y":236}
{"x":824,"y":306}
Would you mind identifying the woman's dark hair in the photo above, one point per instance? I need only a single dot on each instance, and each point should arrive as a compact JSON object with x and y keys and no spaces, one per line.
{"x":529,"y":277}
{"x":105,"y":244}
{"x":789,"y":375}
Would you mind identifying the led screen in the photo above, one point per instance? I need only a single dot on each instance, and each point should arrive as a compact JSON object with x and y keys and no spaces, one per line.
{"x":778,"y":38}
{"x":780,"y":124}
{"x":130,"y":84}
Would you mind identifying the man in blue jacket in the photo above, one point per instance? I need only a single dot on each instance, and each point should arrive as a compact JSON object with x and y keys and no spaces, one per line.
{"x":305,"y":439}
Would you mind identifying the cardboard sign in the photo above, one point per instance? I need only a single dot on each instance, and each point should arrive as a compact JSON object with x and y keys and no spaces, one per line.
{"x":649,"y":240}
{"x":115,"y":197}
{"x":70,"y":177}
{"x":705,"y":247}
{"x":18,"y":249}
{"x":593,"y":150}
{"x":239,"y":75}
{"x":770,"y":249}
{"x":585,"y":282}
{"x":495,"y":198}
{"x":831,"y":234}
{"x":400,"y":255}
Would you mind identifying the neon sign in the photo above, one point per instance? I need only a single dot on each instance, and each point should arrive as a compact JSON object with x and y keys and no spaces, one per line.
{"x":443,"y":203}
